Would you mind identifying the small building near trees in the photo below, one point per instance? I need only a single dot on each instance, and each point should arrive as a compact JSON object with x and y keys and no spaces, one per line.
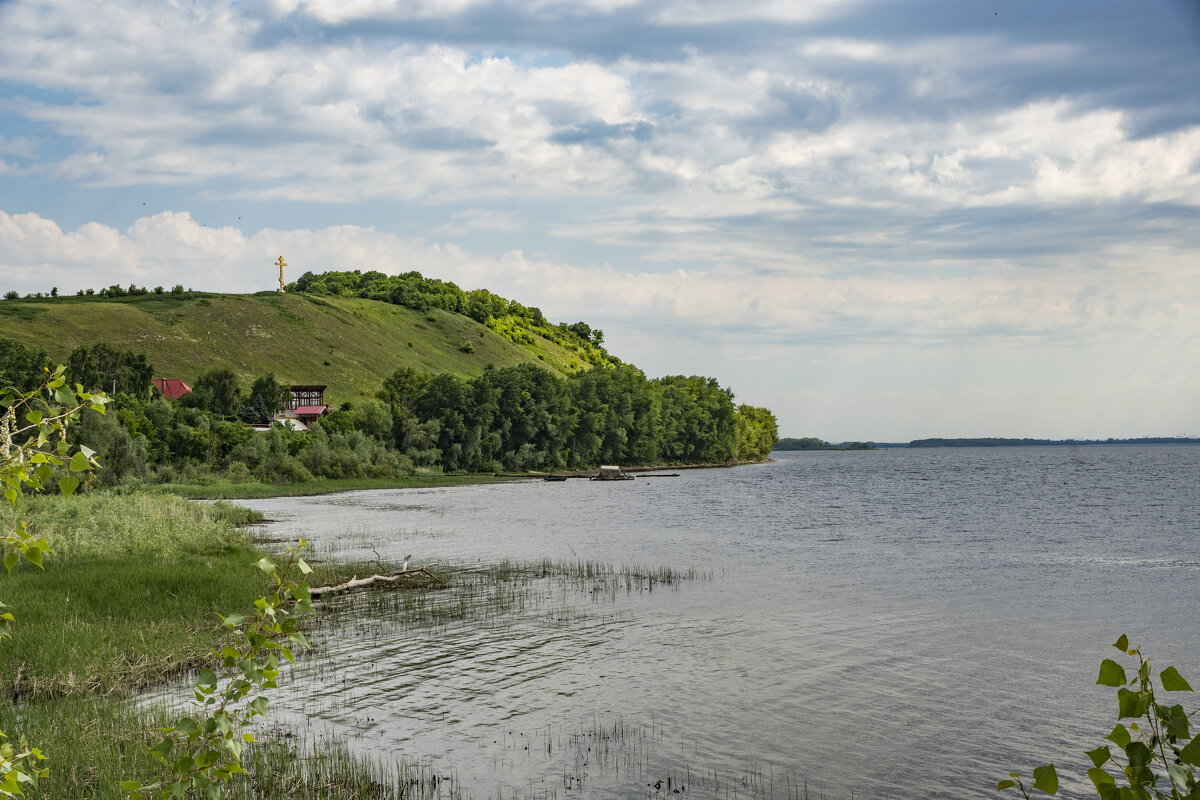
{"x":171,"y":388}
{"x":305,"y":405}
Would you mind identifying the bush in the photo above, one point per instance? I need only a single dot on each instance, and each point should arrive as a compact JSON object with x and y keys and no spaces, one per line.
{"x":237,"y":472}
{"x":280,"y":468}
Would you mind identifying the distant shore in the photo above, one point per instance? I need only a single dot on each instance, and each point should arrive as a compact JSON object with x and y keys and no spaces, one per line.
{"x":996,"y":442}
{"x":812,"y":443}
{"x":820,"y":444}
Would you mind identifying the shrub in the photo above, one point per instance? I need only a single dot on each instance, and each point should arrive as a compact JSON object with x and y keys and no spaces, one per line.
{"x":237,"y":472}
{"x":280,"y":468}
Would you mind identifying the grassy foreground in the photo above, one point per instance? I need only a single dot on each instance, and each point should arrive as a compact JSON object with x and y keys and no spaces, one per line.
{"x":129,"y":595}
{"x":129,"y":598}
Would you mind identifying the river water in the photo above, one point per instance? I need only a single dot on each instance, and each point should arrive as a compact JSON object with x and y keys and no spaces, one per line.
{"x":896,"y":623}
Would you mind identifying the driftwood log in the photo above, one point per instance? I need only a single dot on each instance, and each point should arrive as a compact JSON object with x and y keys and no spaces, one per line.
{"x":356,"y":582}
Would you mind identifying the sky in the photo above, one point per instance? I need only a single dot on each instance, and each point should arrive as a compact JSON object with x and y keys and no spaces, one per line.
{"x":881,"y":220}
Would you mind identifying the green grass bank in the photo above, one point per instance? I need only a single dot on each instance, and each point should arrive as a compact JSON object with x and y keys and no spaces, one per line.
{"x":128,"y":599}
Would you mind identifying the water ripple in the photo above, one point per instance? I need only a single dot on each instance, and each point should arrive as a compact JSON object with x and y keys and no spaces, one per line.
{"x":906,"y":624}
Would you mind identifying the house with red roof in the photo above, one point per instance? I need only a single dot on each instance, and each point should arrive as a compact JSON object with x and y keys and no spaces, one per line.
{"x":171,"y":388}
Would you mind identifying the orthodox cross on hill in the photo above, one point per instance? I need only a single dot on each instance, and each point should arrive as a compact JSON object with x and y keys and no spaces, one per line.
{"x":281,"y":264}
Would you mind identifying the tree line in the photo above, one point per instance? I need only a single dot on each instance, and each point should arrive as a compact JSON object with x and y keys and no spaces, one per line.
{"x":115,"y":290}
{"x":518,"y":418}
{"x":516,"y":322}
{"x":813,"y":443}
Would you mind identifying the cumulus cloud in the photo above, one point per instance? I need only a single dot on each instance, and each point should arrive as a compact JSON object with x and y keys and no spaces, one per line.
{"x":738,"y":308}
{"x":341,"y":121}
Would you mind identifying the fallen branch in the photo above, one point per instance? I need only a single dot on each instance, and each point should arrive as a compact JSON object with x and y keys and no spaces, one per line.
{"x":356,"y":582}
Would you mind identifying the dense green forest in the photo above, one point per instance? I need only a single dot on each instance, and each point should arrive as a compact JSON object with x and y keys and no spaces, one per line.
{"x":523,"y":417}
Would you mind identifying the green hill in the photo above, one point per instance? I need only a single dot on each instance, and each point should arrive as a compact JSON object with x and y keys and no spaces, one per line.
{"x":349,"y":344}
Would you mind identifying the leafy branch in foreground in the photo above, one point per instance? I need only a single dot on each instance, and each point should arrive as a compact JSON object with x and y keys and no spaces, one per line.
{"x":1158,"y":742}
{"x":201,"y":753}
{"x":33,"y":443}
{"x":33,"y":448}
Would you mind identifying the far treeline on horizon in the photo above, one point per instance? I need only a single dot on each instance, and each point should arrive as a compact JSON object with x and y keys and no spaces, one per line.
{"x":809,"y":443}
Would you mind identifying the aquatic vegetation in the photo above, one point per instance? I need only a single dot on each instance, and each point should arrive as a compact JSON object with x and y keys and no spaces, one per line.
{"x":202,"y":751}
{"x":284,"y":764}
{"x":493,"y":593}
{"x":631,"y":759}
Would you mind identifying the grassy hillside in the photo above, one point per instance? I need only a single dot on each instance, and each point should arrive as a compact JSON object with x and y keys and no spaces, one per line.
{"x":349,"y":344}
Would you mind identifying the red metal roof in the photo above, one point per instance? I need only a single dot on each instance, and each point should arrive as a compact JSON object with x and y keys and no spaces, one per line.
{"x":172,"y":388}
{"x":310,"y":411}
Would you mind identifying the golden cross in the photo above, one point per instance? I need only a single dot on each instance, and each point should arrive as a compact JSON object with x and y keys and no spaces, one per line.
{"x":281,"y":264}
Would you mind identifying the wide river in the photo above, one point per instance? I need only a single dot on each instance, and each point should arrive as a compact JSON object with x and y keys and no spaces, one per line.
{"x":896,"y":623}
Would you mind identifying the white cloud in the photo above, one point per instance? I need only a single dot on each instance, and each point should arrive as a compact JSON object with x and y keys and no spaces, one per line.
{"x":175,"y":97}
{"x":692,"y":12}
{"x":855,"y":49}
{"x":718,"y":12}
{"x":337,"y":12}
{"x":735,"y":310}
{"x":172,"y":95}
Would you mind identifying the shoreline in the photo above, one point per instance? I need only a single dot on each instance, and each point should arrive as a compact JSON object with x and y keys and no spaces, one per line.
{"x":262,"y":491}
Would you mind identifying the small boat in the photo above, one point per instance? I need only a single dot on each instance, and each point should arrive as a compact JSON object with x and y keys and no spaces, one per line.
{"x":610,"y":473}
{"x":554,"y":478}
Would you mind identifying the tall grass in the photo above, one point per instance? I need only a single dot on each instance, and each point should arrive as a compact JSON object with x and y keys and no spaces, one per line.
{"x":92,"y":742}
{"x":129,"y":596}
{"x":285,"y":765}
{"x":144,"y":526}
